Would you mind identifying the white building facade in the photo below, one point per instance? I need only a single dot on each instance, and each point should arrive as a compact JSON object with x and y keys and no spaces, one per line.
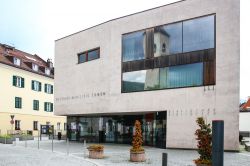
{"x":165,"y":66}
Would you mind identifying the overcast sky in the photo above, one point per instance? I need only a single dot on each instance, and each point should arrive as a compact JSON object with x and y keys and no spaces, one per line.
{"x":33,"y":25}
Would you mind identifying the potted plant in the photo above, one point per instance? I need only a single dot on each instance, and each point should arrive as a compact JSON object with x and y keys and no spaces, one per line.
{"x":8,"y":139}
{"x":96,"y":151}
{"x":137,"y":153}
{"x":204,"y":138}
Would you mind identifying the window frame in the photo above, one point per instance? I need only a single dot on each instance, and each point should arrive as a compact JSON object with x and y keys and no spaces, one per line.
{"x":18,"y":102}
{"x":48,"y":88}
{"x":87,"y":52}
{"x":18,"y":81}
{"x":35,"y":67}
{"x":36,"y":105}
{"x":36,"y":85}
{"x":15,"y":61}
{"x":35,"y":125}
{"x":17,"y":124}
{"x":48,"y":107}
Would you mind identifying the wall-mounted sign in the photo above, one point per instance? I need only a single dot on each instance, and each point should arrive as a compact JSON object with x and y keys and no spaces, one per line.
{"x":82,"y":96}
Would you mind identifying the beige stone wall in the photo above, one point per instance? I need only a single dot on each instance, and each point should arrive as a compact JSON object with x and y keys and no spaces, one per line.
{"x":77,"y":87}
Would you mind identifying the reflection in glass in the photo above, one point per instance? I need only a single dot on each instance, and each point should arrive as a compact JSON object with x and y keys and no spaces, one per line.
{"x":168,"y":39}
{"x":161,"y":78}
{"x":132,"y":46}
{"x":134,"y":81}
{"x":182,"y":76}
{"x":93,"y":54}
{"x":198,"y":34}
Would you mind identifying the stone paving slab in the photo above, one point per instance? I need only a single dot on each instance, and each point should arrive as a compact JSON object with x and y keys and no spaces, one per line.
{"x":117,"y":154}
{"x":20,"y":156}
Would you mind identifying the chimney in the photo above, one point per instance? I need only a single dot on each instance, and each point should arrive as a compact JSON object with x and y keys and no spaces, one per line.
{"x":49,"y":63}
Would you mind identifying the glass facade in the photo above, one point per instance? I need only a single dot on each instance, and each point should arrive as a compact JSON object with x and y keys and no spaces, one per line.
{"x":168,"y":39}
{"x":119,"y":129}
{"x":133,"y":46}
{"x":198,"y":34}
{"x":162,"y":78}
{"x":185,"y":36}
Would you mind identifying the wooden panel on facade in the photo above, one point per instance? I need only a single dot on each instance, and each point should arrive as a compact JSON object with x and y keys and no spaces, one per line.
{"x":209,"y":73}
{"x":170,"y":60}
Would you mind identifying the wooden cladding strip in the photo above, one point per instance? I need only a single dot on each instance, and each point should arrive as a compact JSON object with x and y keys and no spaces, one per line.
{"x":170,"y":60}
{"x":209,"y":73}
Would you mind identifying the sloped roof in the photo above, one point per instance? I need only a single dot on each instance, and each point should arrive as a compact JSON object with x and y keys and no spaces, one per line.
{"x":7,"y":53}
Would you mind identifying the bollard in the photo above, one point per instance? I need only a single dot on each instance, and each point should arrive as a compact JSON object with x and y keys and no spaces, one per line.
{"x":5,"y":140}
{"x":38,"y":143}
{"x":25,"y":142}
{"x":67,"y":142}
{"x":52,"y":143}
{"x":164,"y":159}
{"x":217,"y":142}
{"x":84,"y":148}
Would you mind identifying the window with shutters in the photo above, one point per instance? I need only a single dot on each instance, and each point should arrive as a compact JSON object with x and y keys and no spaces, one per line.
{"x":36,"y":85}
{"x":48,"y":107}
{"x":18,"y":81}
{"x":35,"y":104}
{"x":48,"y":88}
{"x":18,"y":102}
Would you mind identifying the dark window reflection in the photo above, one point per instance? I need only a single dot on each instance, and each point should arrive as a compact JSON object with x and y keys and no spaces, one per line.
{"x":93,"y":55}
{"x":198,"y":34}
{"x":82,"y":58}
{"x":133,"y":46}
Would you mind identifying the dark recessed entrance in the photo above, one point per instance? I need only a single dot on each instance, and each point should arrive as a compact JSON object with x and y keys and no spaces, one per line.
{"x":119,"y":129}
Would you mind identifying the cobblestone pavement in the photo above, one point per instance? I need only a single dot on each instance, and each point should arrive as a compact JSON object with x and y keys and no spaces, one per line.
{"x":116,"y":154}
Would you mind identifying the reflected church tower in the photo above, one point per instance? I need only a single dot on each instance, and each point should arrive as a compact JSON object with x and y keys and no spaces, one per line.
{"x":161,"y":48}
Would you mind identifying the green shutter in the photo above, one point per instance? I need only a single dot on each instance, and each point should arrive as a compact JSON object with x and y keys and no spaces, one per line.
{"x":32,"y":85}
{"x":45,"y":104}
{"x":40,"y":86}
{"x":37,"y":104}
{"x":22,"y":82}
{"x":14,"y":81}
{"x":51,"y":107}
{"x":45,"y":88}
{"x":51,"y":89}
{"x":20,"y":102}
{"x":15,"y":102}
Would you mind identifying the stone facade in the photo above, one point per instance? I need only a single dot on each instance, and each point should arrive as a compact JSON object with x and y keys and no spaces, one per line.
{"x":95,"y":87}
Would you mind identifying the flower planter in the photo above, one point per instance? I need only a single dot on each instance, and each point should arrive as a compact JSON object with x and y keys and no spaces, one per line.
{"x":202,"y":165}
{"x":137,"y":156}
{"x":95,"y":154}
{"x":8,"y":140}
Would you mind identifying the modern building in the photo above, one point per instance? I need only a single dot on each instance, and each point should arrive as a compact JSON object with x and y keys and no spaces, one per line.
{"x":165,"y":66}
{"x":27,"y":95}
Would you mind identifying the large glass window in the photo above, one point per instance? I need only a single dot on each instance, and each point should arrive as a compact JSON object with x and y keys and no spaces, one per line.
{"x":168,"y":39}
{"x":198,"y":34}
{"x":36,"y":85}
{"x":162,"y":78}
{"x":133,"y":46}
{"x":185,"y":36}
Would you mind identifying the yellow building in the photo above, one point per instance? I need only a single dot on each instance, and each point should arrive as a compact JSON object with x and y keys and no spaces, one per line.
{"x":26,"y":86}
